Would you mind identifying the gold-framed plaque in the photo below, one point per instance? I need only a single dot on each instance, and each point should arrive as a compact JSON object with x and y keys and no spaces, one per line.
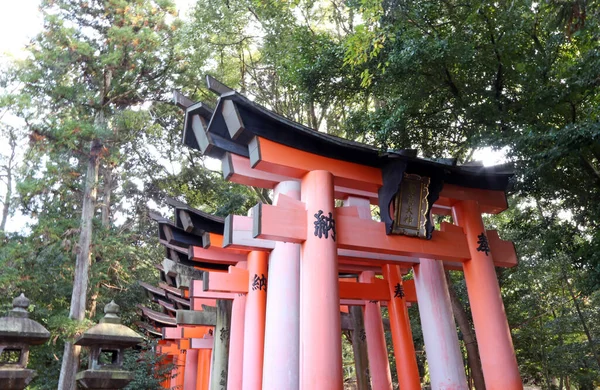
{"x":410,"y":206}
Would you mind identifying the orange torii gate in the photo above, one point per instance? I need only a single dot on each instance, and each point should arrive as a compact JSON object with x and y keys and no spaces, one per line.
{"x":253,"y":142}
{"x":176,"y":239}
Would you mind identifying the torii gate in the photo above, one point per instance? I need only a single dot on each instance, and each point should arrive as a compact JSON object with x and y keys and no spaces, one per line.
{"x":209,"y":253}
{"x":408,"y":190}
{"x":173,"y":235}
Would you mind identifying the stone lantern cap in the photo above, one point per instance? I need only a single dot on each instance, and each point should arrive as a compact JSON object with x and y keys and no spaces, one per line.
{"x":110,"y":331}
{"x":17,"y":327}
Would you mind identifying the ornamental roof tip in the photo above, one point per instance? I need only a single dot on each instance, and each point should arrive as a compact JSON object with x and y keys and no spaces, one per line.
{"x":203,"y":214}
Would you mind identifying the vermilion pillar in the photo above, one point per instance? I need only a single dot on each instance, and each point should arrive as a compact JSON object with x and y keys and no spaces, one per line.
{"x":404,"y":349}
{"x":178,"y":370}
{"x":236,"y":339}
{"x":191,"y":373}
{"x":282,"y":337}
{"x":320,"y":328}
{"x":203,"y":373}
{"x":500,"y":369}
{"x":254,"y":326}
{"x":445,"y":361}
{"x":379,"y":367}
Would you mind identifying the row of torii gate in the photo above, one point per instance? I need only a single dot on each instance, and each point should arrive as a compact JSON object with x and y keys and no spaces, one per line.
{"x":253,"y":302}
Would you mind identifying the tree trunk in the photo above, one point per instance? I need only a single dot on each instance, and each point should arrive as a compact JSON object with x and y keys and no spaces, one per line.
{"x":105,"y":208}
{"x":9,"y":170}
{"x":70,"y":362}
{"x":106,"y":195}
{"x":359,"y":347}
{"x":7,"y":196}
{"x":464,"y":325}
{"x":588,"y":334}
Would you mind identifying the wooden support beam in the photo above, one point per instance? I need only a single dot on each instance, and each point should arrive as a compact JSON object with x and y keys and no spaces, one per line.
{"x":203,"y":343}
{"x":197,"y":292}
{"x":215,"y":256}
{"x":503,"y":252}
{"x":374,"y":291}
{"x":239,"y":235}
{"x":239,"y":169}
{"x":186,"y":221}
{"x":289,"y":225}
{"x":278,"y":223}
{"x":270,"y":156}
{"x":235,"y":281}
{"x":190,"y":332}
{"x":194,"y":317}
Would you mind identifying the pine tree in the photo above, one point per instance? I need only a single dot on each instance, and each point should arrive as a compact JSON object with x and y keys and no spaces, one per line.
{"x":90,"y":73}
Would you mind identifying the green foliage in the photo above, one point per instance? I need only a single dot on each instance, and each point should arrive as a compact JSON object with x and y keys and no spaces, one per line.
{"x":149,"y":369}
{"x":444,"y":78}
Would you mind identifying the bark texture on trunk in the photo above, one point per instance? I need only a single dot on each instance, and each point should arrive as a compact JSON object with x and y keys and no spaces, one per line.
{"x":108,"y":179}
{"x":9,"y":172}
{"x":588,"y":334}
{"x":70,"y":362}
{"x":464,"y":325}
{"x":359,"y":347}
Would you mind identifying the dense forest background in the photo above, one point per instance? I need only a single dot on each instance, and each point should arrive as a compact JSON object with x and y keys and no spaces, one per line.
{"x":448,"y":78}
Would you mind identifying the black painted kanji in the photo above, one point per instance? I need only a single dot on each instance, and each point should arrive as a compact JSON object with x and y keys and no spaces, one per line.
{"x":324,"y":224}
{"x":484,"y":246}
{"x":362,"y":335}
{"x":398,"y":291}
{"x":259,"y":283}
{"x":223,"y":381}
{"x":224,"y":334}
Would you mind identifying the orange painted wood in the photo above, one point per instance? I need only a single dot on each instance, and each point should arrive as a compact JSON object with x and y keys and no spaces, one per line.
{"x":491,"y":202}
{"x":347,"y":211}
{"x":215,"y":255}
{"x":283,"y":160}
{"x":238,"y":235}
{"x":212,"y":240}
{"x":205,"y":301}
{"x":504,"y":252}
{"x":237,"y":169}
{"x":320,"y":323}
{"x":172,"y":333}
{"x":361,"y":235}
{"x":197,"y":291}
{"x":235,"y":281}
{"x":279,"y":224}
{"x":189,"y":332}
{"x":184,"y":343}
{"x":254,"y":321}
{"x":375,"y":291}
{"x":410,"y":293}
{"x":287,"y":202}
{"x":404,"y":349}
{"x":365,"y":235}
{"x":498,"y":360}
{"x":204,"y":358}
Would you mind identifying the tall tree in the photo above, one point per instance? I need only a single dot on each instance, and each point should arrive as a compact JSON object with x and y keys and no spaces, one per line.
{"x":94,"y":61}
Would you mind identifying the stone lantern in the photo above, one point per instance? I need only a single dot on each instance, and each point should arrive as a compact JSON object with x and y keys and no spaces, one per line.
{"x":106,"y":342}
{"x":17,"y":333}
